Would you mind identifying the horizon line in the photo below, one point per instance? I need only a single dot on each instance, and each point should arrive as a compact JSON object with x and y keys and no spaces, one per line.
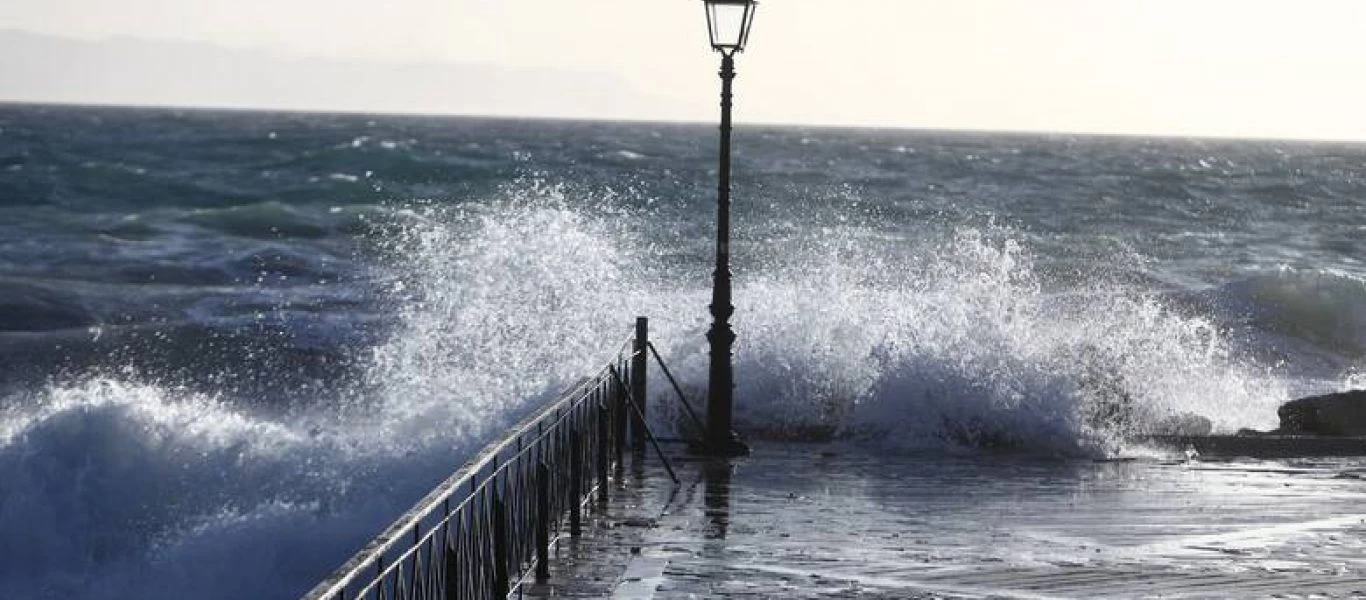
{"x":642,"y":120}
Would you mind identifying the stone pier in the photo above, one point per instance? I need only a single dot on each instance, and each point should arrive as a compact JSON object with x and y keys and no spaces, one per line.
{"x":820,"y":521}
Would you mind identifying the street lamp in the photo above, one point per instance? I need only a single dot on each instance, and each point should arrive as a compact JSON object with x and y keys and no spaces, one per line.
{"x":728,"y":25}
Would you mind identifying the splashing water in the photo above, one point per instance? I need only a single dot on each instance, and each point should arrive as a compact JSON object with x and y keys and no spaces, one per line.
{"x":117,"y":487}
{"x":968,"y":349}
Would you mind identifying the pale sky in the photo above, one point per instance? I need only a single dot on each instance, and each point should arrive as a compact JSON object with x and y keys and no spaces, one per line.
{"x":1260,"y":68}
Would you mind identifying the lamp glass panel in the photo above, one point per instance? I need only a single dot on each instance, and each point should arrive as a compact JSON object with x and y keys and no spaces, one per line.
{"x":728,"y":23}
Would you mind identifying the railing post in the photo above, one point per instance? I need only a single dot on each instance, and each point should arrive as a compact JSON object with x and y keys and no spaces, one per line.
{"x":603,"y":446}
{"x":500,"y":546}
{"x":619,"y":415}
{"x":452,"y":543}
{"x":542,"y":522}
{"x":379,"y":575}
{"x":639,"y":365}
{"x":575,"y":484}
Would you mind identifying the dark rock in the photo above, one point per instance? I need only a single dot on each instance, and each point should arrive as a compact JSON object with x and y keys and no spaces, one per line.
{"x":1342,"y":414}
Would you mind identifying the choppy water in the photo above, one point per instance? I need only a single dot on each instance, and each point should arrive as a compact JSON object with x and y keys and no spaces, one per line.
{"x":234,"y":345}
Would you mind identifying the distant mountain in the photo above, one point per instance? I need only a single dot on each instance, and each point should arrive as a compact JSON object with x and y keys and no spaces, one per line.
{"x":124,"y":70}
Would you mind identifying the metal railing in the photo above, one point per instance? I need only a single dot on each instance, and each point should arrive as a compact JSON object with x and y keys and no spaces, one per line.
{"x":485,"y":529}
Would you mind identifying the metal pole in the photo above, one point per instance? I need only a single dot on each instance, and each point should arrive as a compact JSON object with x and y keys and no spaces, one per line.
{"x":453,"y":554}
{"x":639,"y":363}
{"x":575,"y":482}
{"x":500,"y":545}
{"x":542,"y":522}
{"x":604,"y":444}
{"x":619,"y":416}
{"x":722,"y":381}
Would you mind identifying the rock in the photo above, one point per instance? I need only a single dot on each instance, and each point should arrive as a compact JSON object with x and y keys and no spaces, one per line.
{"x":1342,"y":414}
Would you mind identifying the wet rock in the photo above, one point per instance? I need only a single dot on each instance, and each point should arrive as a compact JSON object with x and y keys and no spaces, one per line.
{"x":1342,"y":414}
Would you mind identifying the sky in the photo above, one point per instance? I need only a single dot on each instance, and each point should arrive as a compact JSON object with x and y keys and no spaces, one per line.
{"x":1234,"y":68}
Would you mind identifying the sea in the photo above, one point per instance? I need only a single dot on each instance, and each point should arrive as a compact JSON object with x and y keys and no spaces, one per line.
{"x":236,"y":345}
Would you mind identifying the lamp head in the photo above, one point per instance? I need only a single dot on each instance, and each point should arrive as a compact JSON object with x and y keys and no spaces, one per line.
{"x":728,"y":24}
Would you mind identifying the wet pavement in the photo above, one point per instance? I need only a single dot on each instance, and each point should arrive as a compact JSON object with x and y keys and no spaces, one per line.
{"x":816,"y":521}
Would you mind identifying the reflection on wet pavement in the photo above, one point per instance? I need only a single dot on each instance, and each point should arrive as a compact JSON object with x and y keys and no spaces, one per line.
{"x":801,"y":521}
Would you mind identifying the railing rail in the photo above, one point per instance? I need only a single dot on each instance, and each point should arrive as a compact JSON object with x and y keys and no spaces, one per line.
{"x":481,"y":531}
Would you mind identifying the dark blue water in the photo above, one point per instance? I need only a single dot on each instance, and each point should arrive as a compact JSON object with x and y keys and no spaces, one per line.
{"x":239,"y":343}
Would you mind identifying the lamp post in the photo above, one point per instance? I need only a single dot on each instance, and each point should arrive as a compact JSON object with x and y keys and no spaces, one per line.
{"x":728,"y":25}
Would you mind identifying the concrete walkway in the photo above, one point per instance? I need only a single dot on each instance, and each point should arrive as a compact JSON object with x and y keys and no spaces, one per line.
{"x":810,"y":521}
